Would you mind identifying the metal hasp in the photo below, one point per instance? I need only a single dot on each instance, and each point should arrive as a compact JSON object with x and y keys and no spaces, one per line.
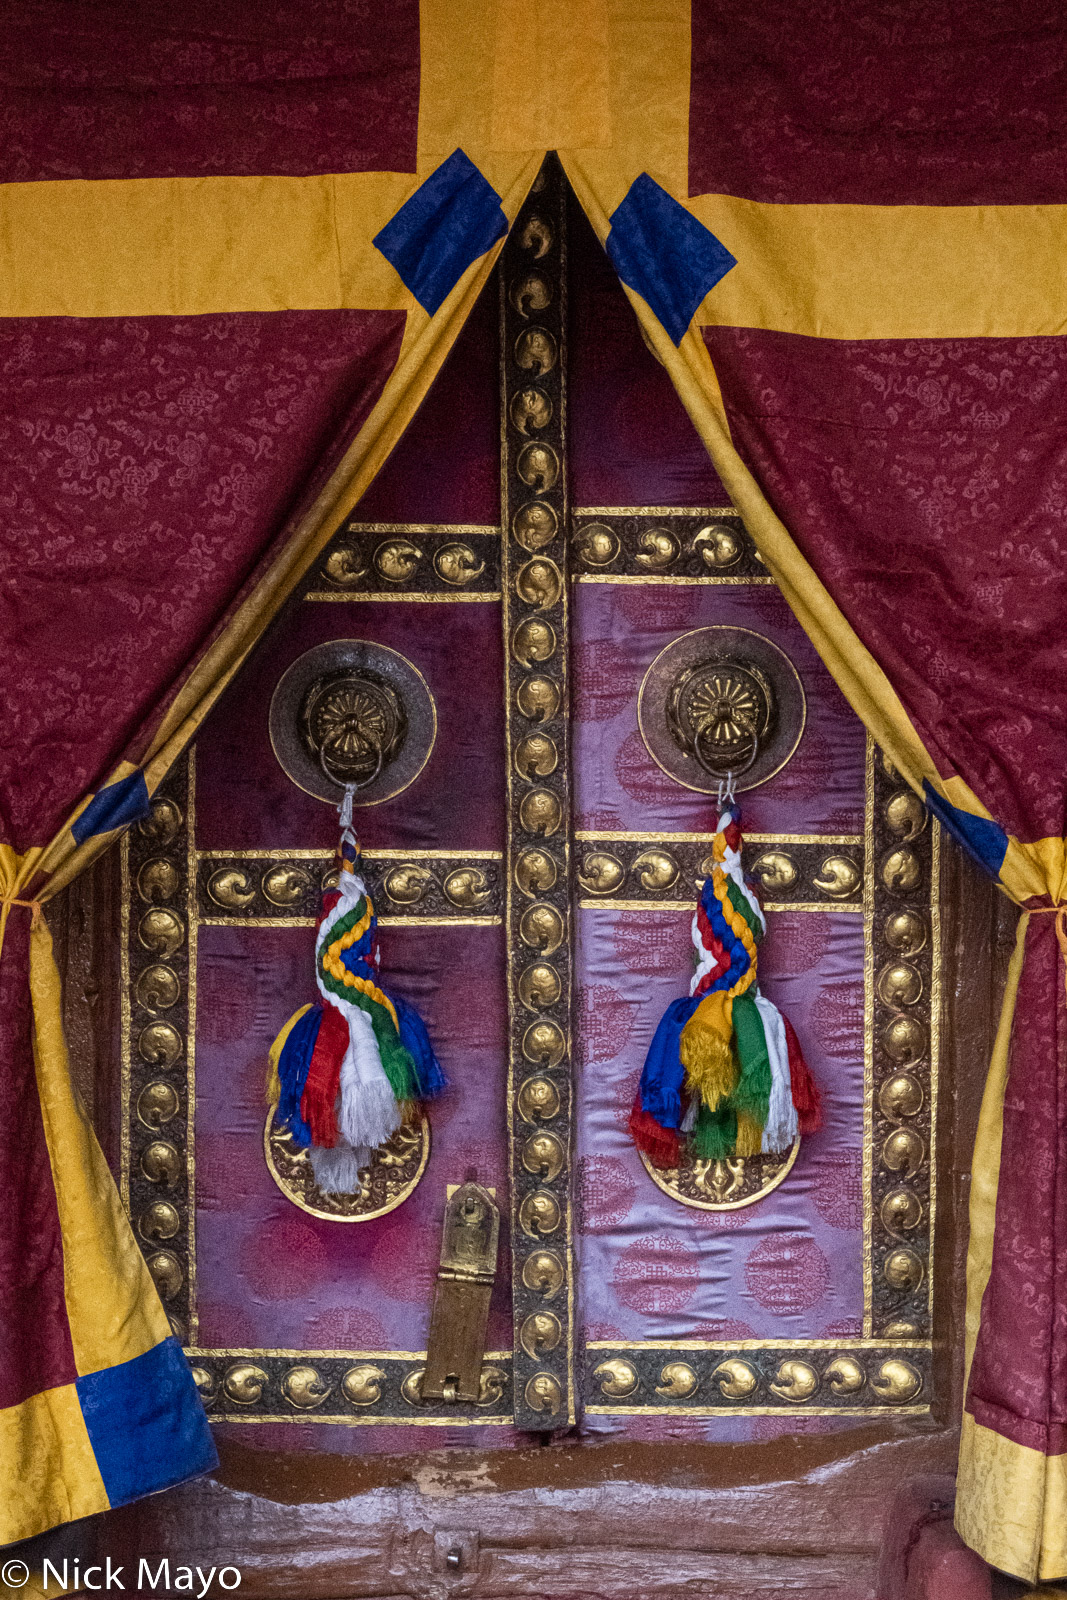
{"x":461,"y":1304}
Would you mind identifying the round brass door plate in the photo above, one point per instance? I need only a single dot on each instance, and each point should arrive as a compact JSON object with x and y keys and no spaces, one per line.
{"x":730,"y":666}
{"x":391,"y":1177}
{"x":723,"y":1185}
{"x":326,"y":692}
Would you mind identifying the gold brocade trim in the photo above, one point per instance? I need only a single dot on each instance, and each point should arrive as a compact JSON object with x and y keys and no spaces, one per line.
{"x":383,"y":922}
{"x":701,"y":582}
{"x":190,"y":1040}
{"x":687,"y":905}
{"x":759,"y":1344}
{"x":590,"y":835}
{"x":754,"y":1411}
{"x":867,"y":1176}
{"x":284,"y":854}
{"x":656,"y":511}
{"x":376,"y":1419}
{"x":413,"y":597}
{"x":459,"y":530}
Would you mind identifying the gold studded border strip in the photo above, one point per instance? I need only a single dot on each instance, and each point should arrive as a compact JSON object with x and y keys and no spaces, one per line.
{"x":158,"y":1024}
{"x":819,"y":1378}
{"x":904,"y":1006}
{"x":407,"y":561}
{"x":423,"y":886}
{"x":538,"y":912}
{"x":614,"y":868}
{"x":640,"y":545}
{"x":346,"y":1387}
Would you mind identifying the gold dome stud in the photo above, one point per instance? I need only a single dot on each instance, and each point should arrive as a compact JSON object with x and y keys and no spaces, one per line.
{"x":160,"y":1161}
{"x":362,"y":1385}
{"x":539,"y":583}
{"x":287,"y":886}
{"x":157,"y":1104}
{"x":539,"y":1214}
{"x":163,"y":823}
{"x":167,"y":1274}
{"x":543,"y":1393}
{"x":535,"y":525}
{"x":542,"y":1272}
{"x":657,"y":870}
{"x":540,"y":812}
{"x":303,"y":1387}
{"x":899,"y":984}
{"x":539,"y":986}
{"x":795,"y":1381}
{"x":905,"y":814}
{"x":538,"y":698}
{"x":158,"y":880}
{"x":536,"y":351}
{"x":601,"y":872}
{"x":657,"y":550}
{"x":344,"y":566}
{"x":530,"y":410}
{"x":492,"y":1381}
{"x":207,"y":1385}
{"x":244,"y":1382}
{"x":467,"y":887}
{"x":597,"y":545}
{"x":902,"y":871}
{"x":903,"y":1152}
{"x":537,"y":235}
{"x":536,"y":756}
{"x":774,"y":869}
{"x":905,"y":932}
{"x":901,"y":1095}
{"x":904,"y":1040}
{"x":529,"y":293}
{"x":901,"y":1210}
{"x":457,"y":565}
{"x":845,"y":1375}
{"x":535,"y":871}
{"x":533,"y":641}
{"x":896,"y":1382}
{"x":617,"y":1378}
{"x":396,"y":560}
{"x":160,"y":1220}
{"x":903,"y":1270}
{"x":411,"y":1387}
{"x":736,"y":1379}
{"x":838,"y":877}
{"x":231,"y":888}
{"x":161,"y":932}
{"x":543,"y":1156}
{"x":407,"y":884}
{"x":538,"y":467}
{"x":158,"y":987}
{"x":540,"y":1333}
{"x":538,"y":1100}
{"x":718,"y":545}
{"x":160,"y":1044}
{"x":544,"y":1043}
{"x":541,"y":928}
{"x":677,"y":1380}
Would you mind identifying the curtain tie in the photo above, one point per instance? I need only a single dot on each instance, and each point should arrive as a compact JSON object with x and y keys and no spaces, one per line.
{"x":31,"y":905}
{"x":1060,"y":913}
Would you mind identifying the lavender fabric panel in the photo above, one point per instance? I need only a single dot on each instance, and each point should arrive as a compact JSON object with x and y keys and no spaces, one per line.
{"x":619,"y":629}
{"x":788,"y":1267}
{"x":268,"y":1274}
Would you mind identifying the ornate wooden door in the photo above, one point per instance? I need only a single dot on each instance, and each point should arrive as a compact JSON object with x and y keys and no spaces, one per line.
{"x":767,"y":1348}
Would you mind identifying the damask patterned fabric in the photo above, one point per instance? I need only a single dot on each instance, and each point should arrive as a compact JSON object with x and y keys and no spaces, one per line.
{"x":206,"y":357}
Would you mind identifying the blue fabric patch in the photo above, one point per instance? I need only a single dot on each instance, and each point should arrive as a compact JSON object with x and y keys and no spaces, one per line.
{"x":985,"y":841}
{"x":115,"y":806}
{"x":664,"y":1076}
{"x":660,"y":250}
{"x":450,"y":220}
{"x":146,"y":1424}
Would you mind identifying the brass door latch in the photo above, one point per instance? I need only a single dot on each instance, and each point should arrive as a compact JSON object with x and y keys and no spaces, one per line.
{"x":461,"y":1302}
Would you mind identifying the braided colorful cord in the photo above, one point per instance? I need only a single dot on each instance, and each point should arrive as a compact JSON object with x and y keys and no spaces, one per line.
{"x":725,"y":1075}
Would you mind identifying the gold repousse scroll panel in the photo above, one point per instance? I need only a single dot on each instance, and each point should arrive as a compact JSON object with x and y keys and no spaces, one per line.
{"x":538,"y":911}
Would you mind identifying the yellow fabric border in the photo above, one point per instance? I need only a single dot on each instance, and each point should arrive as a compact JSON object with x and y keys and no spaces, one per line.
{"x":112,"y":1305}
{"x":426,"y":345}
{"x":50,"y":1471}
{"x":1011,"y":1504}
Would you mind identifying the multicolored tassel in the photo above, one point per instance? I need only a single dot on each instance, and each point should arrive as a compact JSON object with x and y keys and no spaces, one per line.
{"x":346,"y":1072}
{"x":725,"y":1075}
